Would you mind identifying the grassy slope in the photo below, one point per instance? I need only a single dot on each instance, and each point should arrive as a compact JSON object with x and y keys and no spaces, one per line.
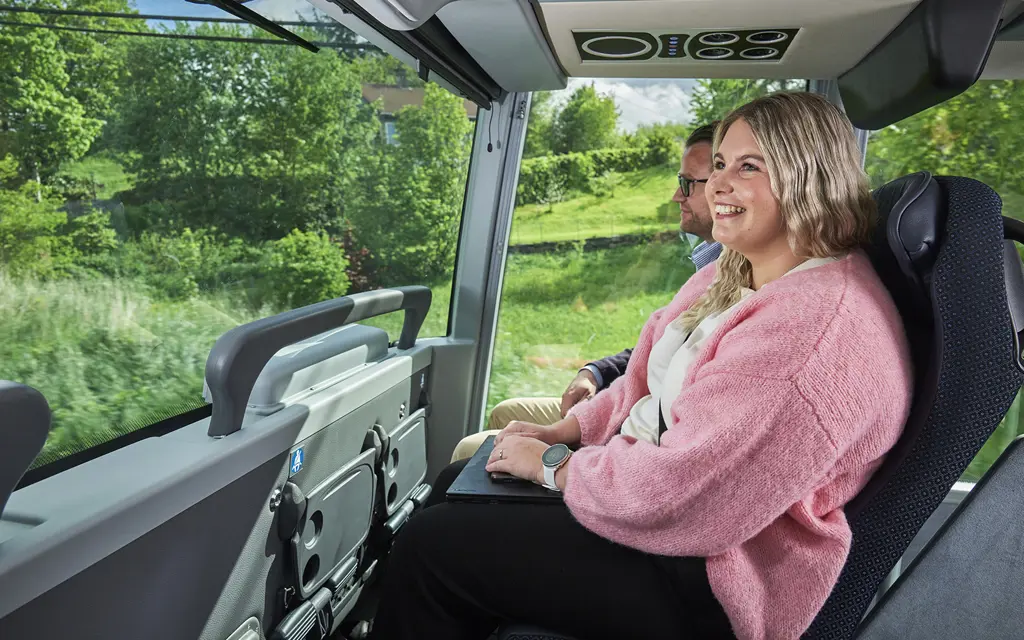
{"x":560,"y":311}
{"x":108,"y":173}
{"x":639,"y":201}
{"x":105,"y":354}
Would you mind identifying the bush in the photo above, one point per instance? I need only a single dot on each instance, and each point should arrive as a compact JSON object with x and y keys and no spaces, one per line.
{"x":91,"y":234}
{"x":73,"y":188}
{"x":303,"y":268}
{"x":546,"y":179}
{"x":30,"y":243}
{"x":179,"y":265}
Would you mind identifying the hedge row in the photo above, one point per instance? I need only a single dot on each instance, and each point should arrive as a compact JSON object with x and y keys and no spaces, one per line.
{"x":549,"y":178}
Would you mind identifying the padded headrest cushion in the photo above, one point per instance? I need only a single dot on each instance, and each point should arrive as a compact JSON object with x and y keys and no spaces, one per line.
{"x":913,"y":210}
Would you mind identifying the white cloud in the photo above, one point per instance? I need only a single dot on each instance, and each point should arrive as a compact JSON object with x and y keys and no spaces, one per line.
{"x":640,"y":101}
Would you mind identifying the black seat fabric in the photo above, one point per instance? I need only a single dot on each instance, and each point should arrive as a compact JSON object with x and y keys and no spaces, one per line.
{"x":965,"y":366}
{"x":938,"y":248}
{"x":966,"y":583}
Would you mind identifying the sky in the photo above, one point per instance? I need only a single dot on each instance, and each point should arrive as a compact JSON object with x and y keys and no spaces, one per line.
{"x":640,"y":101}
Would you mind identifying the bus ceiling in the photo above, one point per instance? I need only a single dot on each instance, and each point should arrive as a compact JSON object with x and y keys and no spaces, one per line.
{"x":892,"y":58}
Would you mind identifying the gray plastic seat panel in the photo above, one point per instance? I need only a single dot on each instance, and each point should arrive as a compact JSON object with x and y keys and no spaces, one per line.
{"x":83,"y":515}
{"x":969,"y":582}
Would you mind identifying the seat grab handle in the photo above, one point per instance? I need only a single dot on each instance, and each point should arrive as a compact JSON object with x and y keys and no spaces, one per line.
{"x":238,"y":356}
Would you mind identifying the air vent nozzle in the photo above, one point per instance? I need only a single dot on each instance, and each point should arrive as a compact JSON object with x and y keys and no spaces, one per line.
{"x":759,"y":53}
{"x":714,"y":53}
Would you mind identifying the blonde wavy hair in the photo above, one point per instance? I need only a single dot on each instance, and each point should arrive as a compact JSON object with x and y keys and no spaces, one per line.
{"x":814,"y":165}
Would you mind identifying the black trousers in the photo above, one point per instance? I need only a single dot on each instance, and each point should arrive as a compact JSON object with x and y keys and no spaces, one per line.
{"x":458,"y":571}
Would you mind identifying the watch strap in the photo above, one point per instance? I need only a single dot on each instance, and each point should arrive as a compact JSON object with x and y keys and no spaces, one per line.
{"x":549,"y":473}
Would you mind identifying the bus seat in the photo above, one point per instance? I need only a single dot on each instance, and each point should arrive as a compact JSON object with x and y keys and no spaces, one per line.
{"x":938,"y":248}
{"x":23,"y":430}
{"x":966,"y":582}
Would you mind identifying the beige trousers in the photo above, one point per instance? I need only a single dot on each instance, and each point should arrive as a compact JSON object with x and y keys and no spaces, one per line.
{"x":536,"y":410}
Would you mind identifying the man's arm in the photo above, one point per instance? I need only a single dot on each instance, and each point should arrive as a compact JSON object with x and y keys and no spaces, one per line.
{"x":593,"y":377}
{"x":606,"y":370}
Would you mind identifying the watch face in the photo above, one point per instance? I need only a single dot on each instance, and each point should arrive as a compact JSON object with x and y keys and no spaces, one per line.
{"x":554,"y":454}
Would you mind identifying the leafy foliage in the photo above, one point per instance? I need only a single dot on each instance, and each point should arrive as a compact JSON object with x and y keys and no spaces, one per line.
{"x":539,"y":126}
{"x":586,"y":122}
{"x":410,"y":194}
{"x":548,"y":179}
{"x":305,"y":267}
{"x":713,"y":99}
{"x":262,"y":144}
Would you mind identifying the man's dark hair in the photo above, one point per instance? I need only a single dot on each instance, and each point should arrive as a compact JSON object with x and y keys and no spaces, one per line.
{"x":703,"y":133}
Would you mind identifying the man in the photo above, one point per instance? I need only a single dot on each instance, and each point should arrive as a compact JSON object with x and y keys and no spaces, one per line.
{"x":694,"y":219}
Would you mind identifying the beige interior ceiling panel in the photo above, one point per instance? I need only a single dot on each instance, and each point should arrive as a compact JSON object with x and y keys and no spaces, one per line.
{"x":828,"y":36}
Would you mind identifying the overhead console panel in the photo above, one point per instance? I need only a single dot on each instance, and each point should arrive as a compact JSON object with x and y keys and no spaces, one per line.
{"x":783,"y":39}
{"x":757,"y":45}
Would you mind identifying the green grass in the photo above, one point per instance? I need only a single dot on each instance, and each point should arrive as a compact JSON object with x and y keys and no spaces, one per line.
{"x":640,"y":201}
{"x":559,"y":312}
{"x":107,"y":172}
{"x":1013,"y":203}
{"x":107,"y":357}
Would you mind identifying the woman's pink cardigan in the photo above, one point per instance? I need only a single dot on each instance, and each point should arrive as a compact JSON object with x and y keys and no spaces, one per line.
{"x":784,"y":415}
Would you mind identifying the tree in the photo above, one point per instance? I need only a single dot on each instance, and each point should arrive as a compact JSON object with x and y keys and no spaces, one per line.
{"x":714,"y":99}
{"x":29,"y":222}
{"x":412,"y":193}
{"x":55,"y":87}
{"x":588,"y":121}
{"x":256,"y":140}
{"x":975,"y":134}
{"x":539,"y":126}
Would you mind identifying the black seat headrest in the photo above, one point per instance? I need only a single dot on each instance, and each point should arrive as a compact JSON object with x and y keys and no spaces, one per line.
{"x":912,"y":214}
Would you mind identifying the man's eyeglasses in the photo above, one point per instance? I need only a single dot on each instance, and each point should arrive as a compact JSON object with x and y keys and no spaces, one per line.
{"x":686,"y":184}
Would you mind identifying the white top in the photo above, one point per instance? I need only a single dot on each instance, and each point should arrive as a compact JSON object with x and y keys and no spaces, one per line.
{"x":670,"y":361}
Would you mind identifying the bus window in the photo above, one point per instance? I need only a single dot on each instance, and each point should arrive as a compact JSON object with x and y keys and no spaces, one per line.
{"x":168,"y":172}
{"x":595,"y":243}
{"x":977,"y":134}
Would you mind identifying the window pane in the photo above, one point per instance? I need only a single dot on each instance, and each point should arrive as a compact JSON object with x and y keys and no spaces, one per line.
{"x":595,"y":234}
{"x":158,"y":189}
{"x":977,"y":134}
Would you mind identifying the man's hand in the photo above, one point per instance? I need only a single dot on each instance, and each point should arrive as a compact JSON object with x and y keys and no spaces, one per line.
{"x":583,"y":387}
{"x":545,"y":434}
{"x":565,"y":431}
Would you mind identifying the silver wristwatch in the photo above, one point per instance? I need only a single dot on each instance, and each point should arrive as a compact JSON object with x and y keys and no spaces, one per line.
{"x":553,"y":458}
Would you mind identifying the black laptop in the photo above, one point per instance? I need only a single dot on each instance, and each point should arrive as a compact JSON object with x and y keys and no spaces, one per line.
{"x":474,"y":484}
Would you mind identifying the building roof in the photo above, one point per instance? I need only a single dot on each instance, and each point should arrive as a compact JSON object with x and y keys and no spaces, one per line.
{"x":394,"y":98}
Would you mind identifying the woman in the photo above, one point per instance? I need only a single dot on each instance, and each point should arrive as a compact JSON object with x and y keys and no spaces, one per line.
{"x":782,"y":375}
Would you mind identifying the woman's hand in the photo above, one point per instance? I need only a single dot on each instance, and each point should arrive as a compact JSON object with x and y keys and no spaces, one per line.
{"x":519,"y":456}
{"x":566,"y":430}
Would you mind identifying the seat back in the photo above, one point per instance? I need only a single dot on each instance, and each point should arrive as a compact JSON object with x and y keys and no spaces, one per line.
{"x":939,"y":250}
{"x":23,"y":428}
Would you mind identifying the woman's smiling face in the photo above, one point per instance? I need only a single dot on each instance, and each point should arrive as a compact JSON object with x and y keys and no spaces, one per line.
{"x":746,"y":213}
